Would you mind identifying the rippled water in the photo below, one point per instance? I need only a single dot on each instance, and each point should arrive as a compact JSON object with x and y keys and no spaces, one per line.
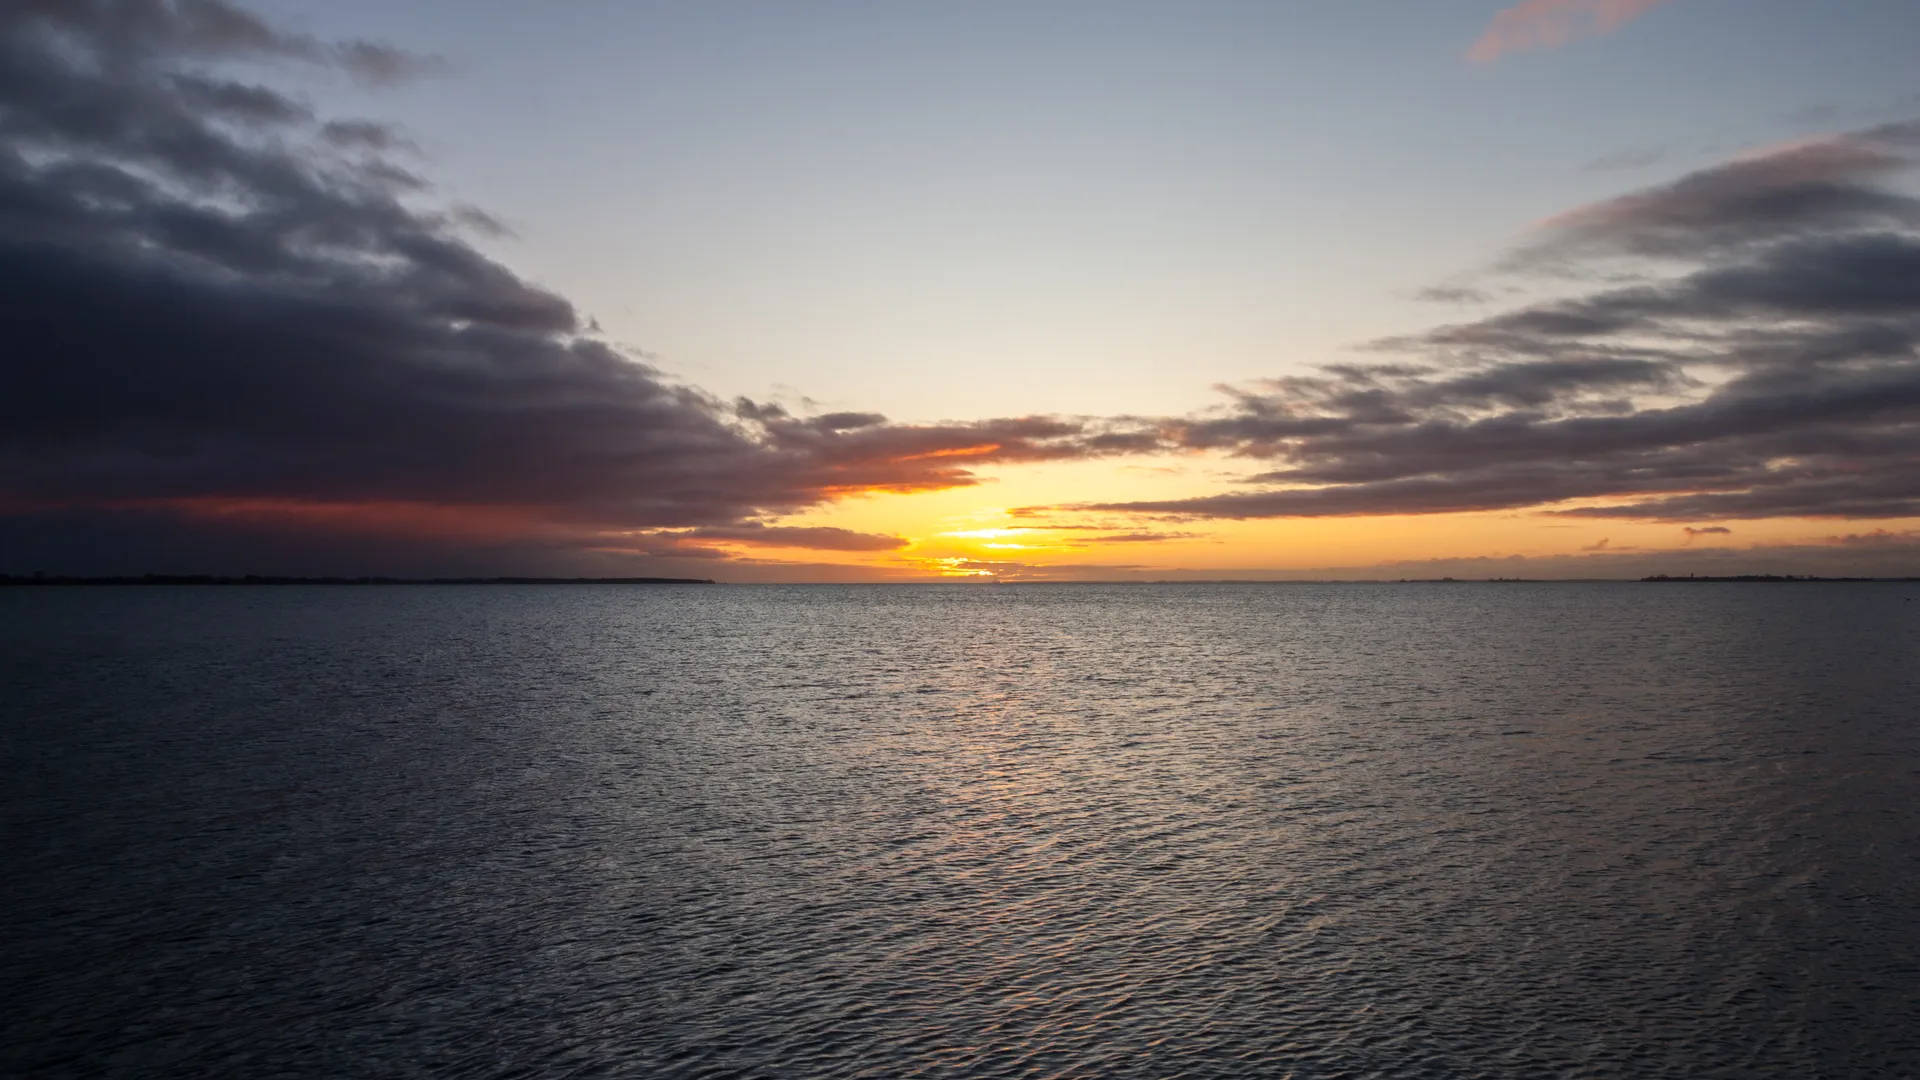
{"x":1265,"y":831}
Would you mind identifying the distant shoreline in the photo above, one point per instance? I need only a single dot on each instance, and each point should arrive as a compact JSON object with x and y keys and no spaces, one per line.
{"x":1772,"y":577}
{"x":275,"y":579}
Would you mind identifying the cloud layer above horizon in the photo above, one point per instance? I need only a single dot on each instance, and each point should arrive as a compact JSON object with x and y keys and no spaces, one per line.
{"x":246,"y":335}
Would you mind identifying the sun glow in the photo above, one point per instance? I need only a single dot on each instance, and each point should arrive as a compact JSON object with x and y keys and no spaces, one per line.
{"x":955,"y":567}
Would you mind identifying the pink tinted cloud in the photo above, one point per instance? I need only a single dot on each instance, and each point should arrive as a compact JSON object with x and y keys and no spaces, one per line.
{"x":1547,"y":24}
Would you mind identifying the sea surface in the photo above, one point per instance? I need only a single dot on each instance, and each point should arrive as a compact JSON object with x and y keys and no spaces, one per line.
{"x":1490,"y":830}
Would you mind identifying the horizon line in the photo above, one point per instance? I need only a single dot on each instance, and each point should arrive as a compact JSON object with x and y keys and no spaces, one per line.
{"x":44,"y":580}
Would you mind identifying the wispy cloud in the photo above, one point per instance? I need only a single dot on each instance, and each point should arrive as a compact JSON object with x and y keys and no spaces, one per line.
{"x":1146,"y":537}
{"x":1760,"y":359}
{"x":1547,"y":24}
{"x":812,"y":538}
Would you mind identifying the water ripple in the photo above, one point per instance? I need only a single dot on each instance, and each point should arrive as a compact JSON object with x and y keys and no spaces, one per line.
{"x":1261,"y":831}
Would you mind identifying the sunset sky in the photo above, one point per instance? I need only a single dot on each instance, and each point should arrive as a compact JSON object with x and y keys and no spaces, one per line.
{"x":893,"y":291}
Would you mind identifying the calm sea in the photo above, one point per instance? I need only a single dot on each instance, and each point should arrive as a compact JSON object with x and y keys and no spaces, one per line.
{"x":1509,"y":830}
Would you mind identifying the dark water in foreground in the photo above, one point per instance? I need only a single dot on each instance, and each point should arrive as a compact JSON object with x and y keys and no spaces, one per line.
{"x":1264,"y":831}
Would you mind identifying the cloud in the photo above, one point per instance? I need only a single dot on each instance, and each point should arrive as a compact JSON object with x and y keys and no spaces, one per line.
{"x":1740,"y":343}
{"x":1005,"y":570}
{"x":234,"y":323}
{"x":364,"y":135}
{"x":1452,"y":294}
{"x":1878,"y":538}
{"x":812,"y":538}
{"x":381,"y":65}
{"x":1548,"y":24}
{"x":144,"y":32}
{"x":1145,"y":537}
{"x":1816,"y":187}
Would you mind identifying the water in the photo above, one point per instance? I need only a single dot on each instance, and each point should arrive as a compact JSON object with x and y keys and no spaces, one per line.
{"x":1199,"y":830}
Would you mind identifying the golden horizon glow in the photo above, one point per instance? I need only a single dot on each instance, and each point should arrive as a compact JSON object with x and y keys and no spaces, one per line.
{"x":970,"y":532}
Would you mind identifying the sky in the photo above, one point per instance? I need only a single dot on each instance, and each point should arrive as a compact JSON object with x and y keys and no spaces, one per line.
{"x":1015,"y":291}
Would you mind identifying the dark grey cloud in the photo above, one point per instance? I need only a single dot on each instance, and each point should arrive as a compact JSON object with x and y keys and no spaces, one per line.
{"x":1817,"y":186}
{"x":116,"y":33}
{"x":1757,"y":359}
{"x":364,"y":135}
{"x":381,"y":65}
{"x":231,"y":320}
